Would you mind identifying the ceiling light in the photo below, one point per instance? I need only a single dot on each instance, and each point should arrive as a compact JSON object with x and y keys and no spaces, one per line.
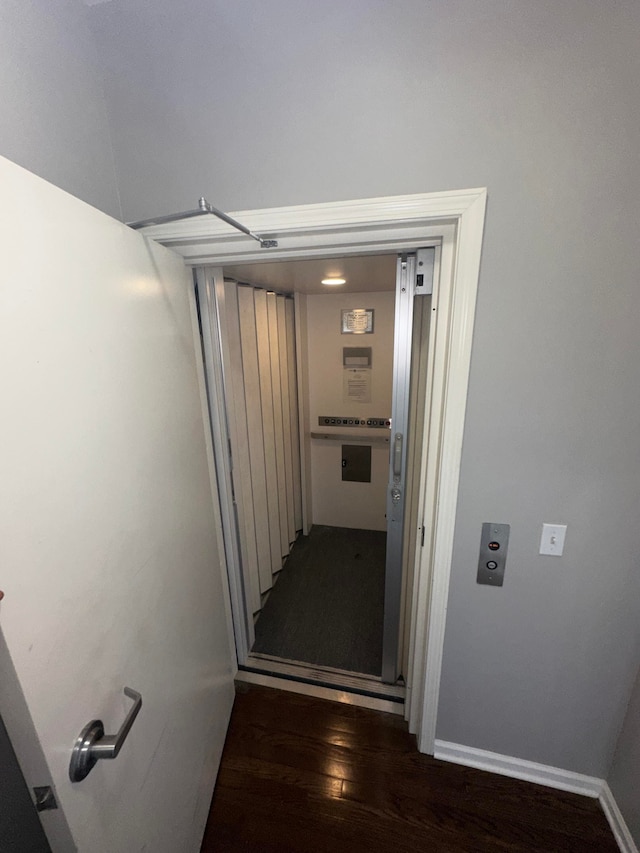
{"x":334,"y":281}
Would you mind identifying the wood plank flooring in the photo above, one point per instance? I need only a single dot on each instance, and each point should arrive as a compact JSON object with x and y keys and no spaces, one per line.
{"x":304,"y":774}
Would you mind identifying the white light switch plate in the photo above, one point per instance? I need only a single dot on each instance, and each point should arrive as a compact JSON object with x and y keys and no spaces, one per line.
{"x":552,"y":540}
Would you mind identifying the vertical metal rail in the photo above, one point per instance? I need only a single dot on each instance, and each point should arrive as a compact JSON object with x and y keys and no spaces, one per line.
{"x":212,"y":357}
{"x":403,"y":328}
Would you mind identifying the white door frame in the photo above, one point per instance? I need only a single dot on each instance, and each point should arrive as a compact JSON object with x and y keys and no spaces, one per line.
{"x":364,"y":227}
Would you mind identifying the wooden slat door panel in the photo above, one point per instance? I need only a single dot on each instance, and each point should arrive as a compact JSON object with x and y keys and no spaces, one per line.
{"x":293,"y":412}
{"x":253,"y":403}
{"x":268,"y":428}
{"x":286,"y":415}
{"x":227,"y":295}
{"x":276,"y":390}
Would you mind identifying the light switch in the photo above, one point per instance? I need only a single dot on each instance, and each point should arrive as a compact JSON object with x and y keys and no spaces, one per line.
{"x":552,"y":540}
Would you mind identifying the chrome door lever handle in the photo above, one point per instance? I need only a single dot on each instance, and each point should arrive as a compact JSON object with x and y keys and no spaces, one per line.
{"x":92,"y":743}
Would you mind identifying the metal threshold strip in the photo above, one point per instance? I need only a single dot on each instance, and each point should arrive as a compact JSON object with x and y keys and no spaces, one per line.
{"x":351,"y":682}
{"x":204,"y":208}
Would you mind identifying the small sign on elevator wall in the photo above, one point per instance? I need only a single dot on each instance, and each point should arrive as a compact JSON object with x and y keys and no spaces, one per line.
{"x":357,"y":321}
{"x":357,"y":385}
{"x":356,"y":379}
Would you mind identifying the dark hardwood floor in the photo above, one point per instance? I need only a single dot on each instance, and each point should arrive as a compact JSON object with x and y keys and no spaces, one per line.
{"x":303,"y":774}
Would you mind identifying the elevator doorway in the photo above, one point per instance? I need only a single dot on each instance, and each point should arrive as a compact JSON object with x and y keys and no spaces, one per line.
{"x":450,"y":220}
{"x":311,"y":374}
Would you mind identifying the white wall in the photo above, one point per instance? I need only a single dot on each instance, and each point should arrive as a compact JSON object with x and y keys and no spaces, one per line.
{"x":334,"y":502}
{"x":53,"y":119}
{"x":293,"y":101}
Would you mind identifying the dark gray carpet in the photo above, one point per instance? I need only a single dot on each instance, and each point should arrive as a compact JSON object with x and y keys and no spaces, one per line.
{"x":327,"y":605}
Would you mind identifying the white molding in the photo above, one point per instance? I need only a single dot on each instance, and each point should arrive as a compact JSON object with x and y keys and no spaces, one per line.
{"x":447,"y":421}
{"x":518,"y":768}
{"x":543,"y":774}
{"x":315,"y":230}
{"x":311,"y":217}
{"x":368,"y":226}
{"x":616,"y":821}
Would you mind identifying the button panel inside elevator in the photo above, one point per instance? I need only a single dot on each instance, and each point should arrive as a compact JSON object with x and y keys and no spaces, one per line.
{"x":342,"y":421}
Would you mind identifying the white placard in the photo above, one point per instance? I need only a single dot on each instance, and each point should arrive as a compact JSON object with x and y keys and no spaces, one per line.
{"x":356,"y":385}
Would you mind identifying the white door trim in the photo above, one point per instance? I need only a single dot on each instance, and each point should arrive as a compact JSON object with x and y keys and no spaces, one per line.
{"x":376,"y":225}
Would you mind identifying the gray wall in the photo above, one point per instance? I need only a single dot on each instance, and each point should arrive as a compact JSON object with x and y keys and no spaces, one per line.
{"x":293,"y":101}
{"x":624,"y":776}
{"x":296,"y":101}
{"x":53,"y":118}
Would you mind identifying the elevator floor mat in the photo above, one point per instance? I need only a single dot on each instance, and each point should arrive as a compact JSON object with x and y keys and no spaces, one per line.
{"x":326,"y":607}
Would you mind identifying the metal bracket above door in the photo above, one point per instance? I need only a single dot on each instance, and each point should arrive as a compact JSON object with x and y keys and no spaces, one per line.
{"x":203,"y":208}
{"x":425,"y":265}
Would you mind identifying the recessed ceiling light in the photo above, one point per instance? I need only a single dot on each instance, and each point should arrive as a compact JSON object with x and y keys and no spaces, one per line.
{"x":334,"y":281}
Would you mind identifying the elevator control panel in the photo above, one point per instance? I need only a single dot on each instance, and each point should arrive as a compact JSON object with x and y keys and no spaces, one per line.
{"x":341,"y":421}
{"x":493,"y":553}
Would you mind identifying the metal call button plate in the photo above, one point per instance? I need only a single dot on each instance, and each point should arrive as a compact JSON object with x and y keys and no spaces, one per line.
{"x":493,"y":553}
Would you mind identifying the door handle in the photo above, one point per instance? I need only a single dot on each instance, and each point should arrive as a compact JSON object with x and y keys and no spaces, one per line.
{"x":397,"y":456}
{"x":92,"y":743}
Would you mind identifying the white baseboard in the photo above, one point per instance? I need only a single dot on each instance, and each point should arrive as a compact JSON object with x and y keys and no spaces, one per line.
{"x":616,"y":821}
{"x":518,"y":768}
{"x":542,"y":774}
